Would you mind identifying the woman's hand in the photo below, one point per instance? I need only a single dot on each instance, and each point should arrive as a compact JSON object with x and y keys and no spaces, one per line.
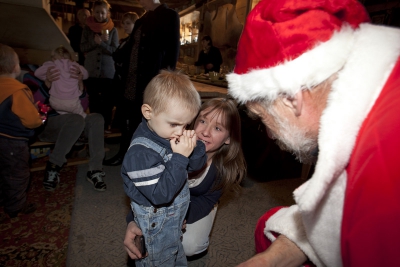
{"x":52,"y":74}
{"x":105,"y":37}
{"x":209,"y":66}
{"x":76,"y":73}
{"x":97,"y":39}
{"x":132,"y":230}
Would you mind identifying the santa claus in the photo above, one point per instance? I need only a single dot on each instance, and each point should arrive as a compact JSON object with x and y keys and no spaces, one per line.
{"x":326,"y":83}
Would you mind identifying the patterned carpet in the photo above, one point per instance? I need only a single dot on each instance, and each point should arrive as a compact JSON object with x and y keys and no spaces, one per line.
{"x":40,"y":238}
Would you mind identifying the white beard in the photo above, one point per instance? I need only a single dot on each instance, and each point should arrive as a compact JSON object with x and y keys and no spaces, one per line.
{"x":293,"y":139}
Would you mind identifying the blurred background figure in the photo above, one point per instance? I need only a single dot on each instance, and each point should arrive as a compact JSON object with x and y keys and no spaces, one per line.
{"x":210,"y":57}
{"x":153,"y":46}
{"x":99,"y":41}
{"x":75,"y":33}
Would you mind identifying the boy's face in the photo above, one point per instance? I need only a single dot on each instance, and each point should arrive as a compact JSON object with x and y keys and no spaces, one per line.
{"x":170,"y":123}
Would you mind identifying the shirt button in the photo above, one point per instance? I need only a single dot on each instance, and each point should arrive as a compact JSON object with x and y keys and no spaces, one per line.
{"x":155,"y":210}
{"x":153,"y":225}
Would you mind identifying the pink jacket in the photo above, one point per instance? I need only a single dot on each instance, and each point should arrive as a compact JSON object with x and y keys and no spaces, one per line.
{"x":65,"y":87}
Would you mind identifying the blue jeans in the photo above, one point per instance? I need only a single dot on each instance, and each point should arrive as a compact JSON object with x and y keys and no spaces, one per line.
{"x":162,"y":230}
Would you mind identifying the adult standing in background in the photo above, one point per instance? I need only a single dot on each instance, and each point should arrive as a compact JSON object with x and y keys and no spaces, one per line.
{"x":154,"y":45}
{"x":326,"y":83}
{"x":210,"y":57}
{"x":99,"y":42}
{"x":127,"y":22}
{"x":75,"y":33}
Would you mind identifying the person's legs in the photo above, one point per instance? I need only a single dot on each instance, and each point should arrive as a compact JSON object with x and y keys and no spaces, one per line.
{"x":94,"y":90}
{"x":14,"y":176}
{"x":101,"y":97}
{"x":64,"y":130}
{"x":196,"y":236}
{"x":130,"y":117}
{"x":162,"y":229}
{"x":94,"y":124}
{"x":94,"y":130}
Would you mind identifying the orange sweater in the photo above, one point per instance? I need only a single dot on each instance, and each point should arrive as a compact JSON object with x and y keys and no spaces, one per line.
{"x":22,"y":101}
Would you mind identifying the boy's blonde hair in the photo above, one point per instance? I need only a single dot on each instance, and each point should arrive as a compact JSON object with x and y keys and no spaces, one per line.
{"x":8,"y":59}
{"x":170,"y":85}
{"x":132,"y":16}
{"x":62,"y":52}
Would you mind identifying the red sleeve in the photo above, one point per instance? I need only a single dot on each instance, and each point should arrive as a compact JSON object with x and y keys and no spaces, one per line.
{"x":371,"y":215}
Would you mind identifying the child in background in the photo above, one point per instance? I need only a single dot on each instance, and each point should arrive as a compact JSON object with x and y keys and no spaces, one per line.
{"x":99,"y":41}
{"x":65,"y":92}
{"x":18,"y":117}
{"x":155,"y":168}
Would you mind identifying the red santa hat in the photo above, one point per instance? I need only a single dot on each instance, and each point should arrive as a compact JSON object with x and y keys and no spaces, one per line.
{"x":289,"y":45}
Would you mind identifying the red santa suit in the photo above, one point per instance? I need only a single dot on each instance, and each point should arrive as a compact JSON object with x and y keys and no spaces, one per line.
{"x":348,"y":212}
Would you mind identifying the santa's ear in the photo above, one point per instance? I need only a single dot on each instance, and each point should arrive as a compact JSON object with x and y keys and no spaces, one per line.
{"x":146,"y":111}
{"x":294,"y":103}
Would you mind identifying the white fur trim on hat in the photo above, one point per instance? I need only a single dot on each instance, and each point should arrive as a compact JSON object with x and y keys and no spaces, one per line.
{"x":288,"y":78}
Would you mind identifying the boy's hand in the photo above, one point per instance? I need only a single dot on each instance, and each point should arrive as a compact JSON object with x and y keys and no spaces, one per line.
{"x":185,"y":144}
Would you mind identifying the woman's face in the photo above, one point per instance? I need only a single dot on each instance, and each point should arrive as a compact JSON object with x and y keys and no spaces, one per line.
{"x":211,"y":131}
{"x":127,"y":25}
{"x":100,"y":13}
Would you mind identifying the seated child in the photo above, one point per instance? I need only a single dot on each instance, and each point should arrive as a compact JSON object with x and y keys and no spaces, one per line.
{"x":64,"y":92}
{"x":155,"y":168}
{"x":18,"y":117}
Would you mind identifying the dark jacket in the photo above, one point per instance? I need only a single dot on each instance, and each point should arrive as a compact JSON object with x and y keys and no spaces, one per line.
{"x":203,"y":197}
{"x":74,"y":36}
{"x":158,"y":46}
{"x":213,"y":56}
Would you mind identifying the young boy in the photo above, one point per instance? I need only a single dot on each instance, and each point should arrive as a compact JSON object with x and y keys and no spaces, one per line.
{"x":156,"y":165}
{"x":18,"y":117}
